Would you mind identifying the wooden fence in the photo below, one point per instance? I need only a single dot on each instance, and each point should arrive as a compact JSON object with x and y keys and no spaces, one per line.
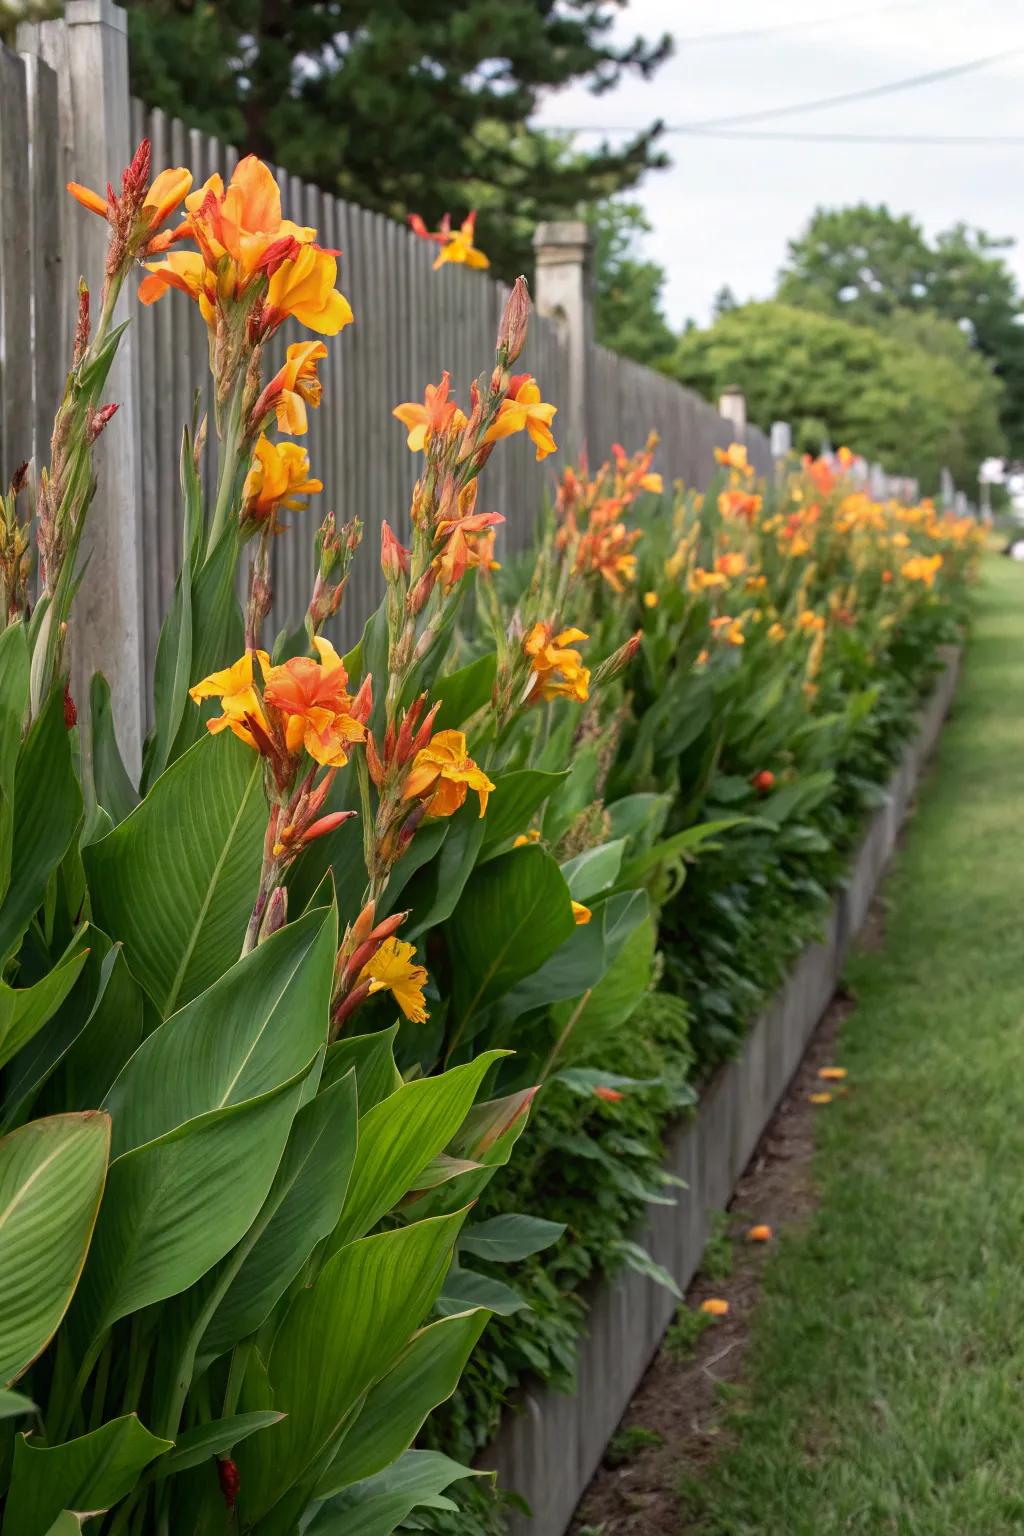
{"x":66,"y":113}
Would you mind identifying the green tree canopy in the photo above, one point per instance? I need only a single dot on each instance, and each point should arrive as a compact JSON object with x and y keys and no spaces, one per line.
{"x":915,"y":398}
{"x":628,"y":316}
{"x":866,"y":263}
{"x":402,"y":105}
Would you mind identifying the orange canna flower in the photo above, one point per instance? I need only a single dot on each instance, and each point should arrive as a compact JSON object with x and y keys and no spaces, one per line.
{"x":731,"y":564}
{"x":239,"y":699}
{"x":442,"y":773}
{"x":609,"y":1095}
{"x":294,"y":386}
{"x":456,"y":245}
{"x":523,"y":410}
{"x":318,"y":712}
{"x":166,"y":193}
{"x":651,"y":599}
{"x":776,"y":632}
{"x":733,"y":457}
{"x":279,"y":478}
{"x":922,"y":568}
{"x":391,"y":969}
{"x":715,"y":1306}
{"x":557,"y":668}
{"x":436,"y":414}
{"x":525,"y":838}
{"x":760,"y":1234}
{"x":741,"y":504}
{"x":819,"y":1098}
{"x":581,"y":914}
{"x":763,"y":781}
{"x":700,"y":580}
{"x":832,"y":1074}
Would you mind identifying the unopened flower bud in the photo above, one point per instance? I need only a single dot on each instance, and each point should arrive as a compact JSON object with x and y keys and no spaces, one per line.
{"x":618,"y":661}
{"x":394,"y":557}
{"x":326,"y":824}
{"x":276,"y":914}
{"x":514,"y":321}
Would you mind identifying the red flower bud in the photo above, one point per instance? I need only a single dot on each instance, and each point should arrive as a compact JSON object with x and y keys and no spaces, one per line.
{"x":394,"y":557}
{"x":609,"y":1095}
{"x":70,"y":710}
{"x":514,"y":321}
{"x":763,"y":781}
{"x":326,"y":824}
{"x":227,"y":1473}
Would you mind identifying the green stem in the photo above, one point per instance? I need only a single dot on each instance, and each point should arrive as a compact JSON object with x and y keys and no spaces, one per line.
{"x":74,"y":1397}
{"x":230,"y":455}
{"x":240,"y":1357}
{"x":560,"y":1043}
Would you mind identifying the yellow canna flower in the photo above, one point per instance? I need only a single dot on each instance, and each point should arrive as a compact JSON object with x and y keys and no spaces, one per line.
{"x":715,"y":1306}
{"x":525,"y":838}
{"x":819,"y":1098}
{"x":444,"y":772}
{"x":581,"y":914}
{"x":832,"y":1074}
{"x":922,"y":568}
{"x":240,"y":702}
{"x":776,"y":632}
{"x":391,"y":970}
{"x":651,"y":599}
{"x":557,"y":668}
{"x":435,"y":415}
{"x":304,"y":287}
{"x":701,"y":580}
{"x":279,"y":478}
{"x":523,"y":410}
{"x":456,"y":244}
{"x":294,"y":386}
{"x":733,"y":457}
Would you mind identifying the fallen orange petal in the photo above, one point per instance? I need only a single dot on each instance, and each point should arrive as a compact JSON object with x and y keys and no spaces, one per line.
{"x":760,"y":1234}
{"x":715,"y":1306}
{"x":832,"y":1074}
{"x":819,"y":1098}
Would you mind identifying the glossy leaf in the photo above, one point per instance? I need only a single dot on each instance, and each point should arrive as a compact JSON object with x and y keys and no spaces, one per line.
{"x":51,"y":1180}
{"x":378,"y":1505}
{"x":514,"y":913}
{"x":690,"y":840}
{"x":47,"y":811}
{"x":24,"y":1011}
{"x":354,"y":1322}
{"x":509,"y":1238}
{"x":175,"y":882}
{"x":252,"y":1030}
{"x":594,"y":870}
{"x":14,"y":681}
{"x":426,"y":1374}
{"x":175,"y":1206}
{"x":197,"y":1445}
{"x":308,"y":1196}
{"x":86,"y":1476}
{"x":463,"y":692}
{"x":433,"y":893}
{"x":466,"y":1288}
{"x":108,"y":785}
{"x":372,"y":1059}
{"x":13,"y":1405}
{"x":399,"y":1137}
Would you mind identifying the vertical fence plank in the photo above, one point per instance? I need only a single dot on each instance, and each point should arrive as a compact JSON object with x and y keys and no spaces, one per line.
{"x":16,"y":410}
{"x":50,"y":341}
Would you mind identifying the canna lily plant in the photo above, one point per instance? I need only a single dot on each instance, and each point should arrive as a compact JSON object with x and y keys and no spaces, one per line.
{"x":236,"y":1190}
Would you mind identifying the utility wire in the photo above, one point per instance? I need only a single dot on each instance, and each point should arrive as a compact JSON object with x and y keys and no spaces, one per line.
{"x":972,"y":140}
{"x":869,"y":93}
{"x":698,"y":39}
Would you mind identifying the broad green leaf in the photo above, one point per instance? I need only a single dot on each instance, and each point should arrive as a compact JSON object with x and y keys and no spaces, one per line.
{"x":514,"y":913}
{"x":308,"y":1196}
{"x":687,"y":841}
{"x":509,"y":1238}
{"x":797,"y":798}
{"x":13,"y":1405}
{"x":637,"y":1258}
{"x":580,"y":963}
{"x":578,"y":791}
{"x":112,"y":1032}
{"x":485,"y":1141}
{"x":465,"y":1288}
{"x":47,"y":810}
{"x":253,"y":1029}
{"x":594,"y":870}
{"x":14,"y":678}
{"x":353,"y":1323}
{"x":372,"y":1059}
{"x":517,"y":795}
{"x":463,"y":692}
{"x":176,"y":1206}
{"x":51,"y":1180}
{"x":433,"y":893}
{"x":612,"y":1001}
{"x":426,"y":1374}
{"x":205,"y":1440}
{"x":399,"y":1137}
{"x":23,"y":1012}
{"x":85,"y":1476}
{"x":108,"y":784}
{"x":175,"y":882}
{"x":378,"y":1505}
{"x":638,"y":818}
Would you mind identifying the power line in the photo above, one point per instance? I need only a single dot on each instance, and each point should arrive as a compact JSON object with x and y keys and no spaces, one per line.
{"x":698,"y":39}
{"x":972,"y":140}
{"x":868,"y":93}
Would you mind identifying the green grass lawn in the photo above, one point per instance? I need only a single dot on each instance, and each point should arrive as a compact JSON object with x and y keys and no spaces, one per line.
{"x":885,"y":1384}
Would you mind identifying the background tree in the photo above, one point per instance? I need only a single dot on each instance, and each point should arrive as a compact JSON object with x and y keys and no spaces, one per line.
{"x":628,"y":316}
{"x":402,"y":105}
{"x":915,"y":398}
{"x":867,"y":264}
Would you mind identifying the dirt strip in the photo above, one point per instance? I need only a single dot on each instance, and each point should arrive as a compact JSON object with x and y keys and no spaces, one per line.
{"x":673,"y":1427}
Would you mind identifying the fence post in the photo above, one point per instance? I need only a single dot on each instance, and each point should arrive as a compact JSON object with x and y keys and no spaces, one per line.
{"x":563,"y":290}
{"x":88,"y":50}
{"x":732,"y":406}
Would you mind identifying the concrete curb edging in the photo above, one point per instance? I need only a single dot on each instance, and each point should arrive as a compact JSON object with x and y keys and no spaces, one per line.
{"x":549,"y":1447}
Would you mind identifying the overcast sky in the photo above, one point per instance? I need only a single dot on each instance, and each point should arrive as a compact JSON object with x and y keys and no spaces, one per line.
{"x":725,"y":210}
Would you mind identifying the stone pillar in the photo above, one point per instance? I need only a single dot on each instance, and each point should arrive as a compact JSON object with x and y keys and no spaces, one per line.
{"x":732,"y":404}
{"x":88,"y":49}
{"x":562,"y":289}
{"x":781,"y":440}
